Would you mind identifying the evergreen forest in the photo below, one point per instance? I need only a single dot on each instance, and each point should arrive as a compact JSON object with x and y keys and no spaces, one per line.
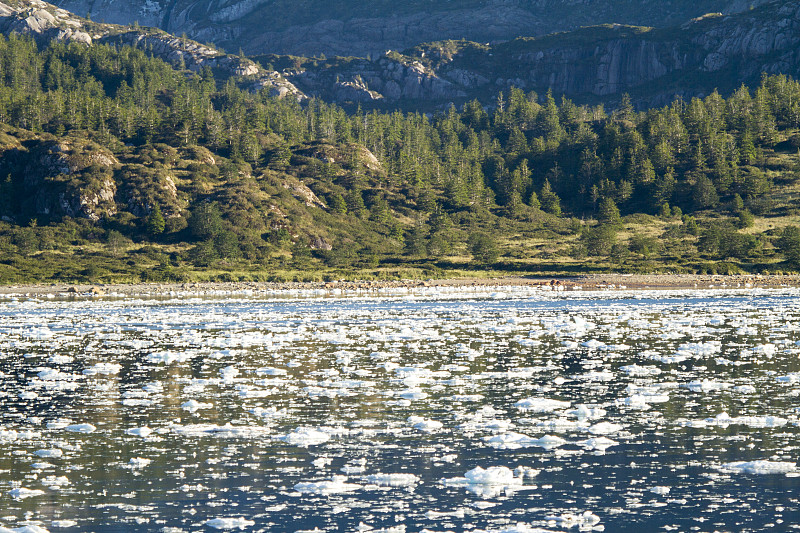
{"x":115,"y":166}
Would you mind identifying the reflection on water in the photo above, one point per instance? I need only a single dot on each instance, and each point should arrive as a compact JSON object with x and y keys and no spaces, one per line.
{"x":621,"y":412}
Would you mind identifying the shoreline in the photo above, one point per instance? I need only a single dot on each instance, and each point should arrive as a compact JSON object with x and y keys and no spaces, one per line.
{"x":581,"y":282}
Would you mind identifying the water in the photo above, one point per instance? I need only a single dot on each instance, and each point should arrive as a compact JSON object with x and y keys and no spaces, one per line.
{"x":442,"y":410}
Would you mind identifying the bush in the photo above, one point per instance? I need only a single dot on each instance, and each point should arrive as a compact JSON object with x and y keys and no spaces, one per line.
{"x":483,"y":248}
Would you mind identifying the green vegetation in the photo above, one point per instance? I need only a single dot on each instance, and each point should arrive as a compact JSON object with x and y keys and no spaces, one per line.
{"x":116,"y":167}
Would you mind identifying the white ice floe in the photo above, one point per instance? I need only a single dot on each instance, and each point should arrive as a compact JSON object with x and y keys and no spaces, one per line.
{"x":605,"y":428}
{"x":584,"y":520}
{"x":168,"y":358}
{"x":32,"y":528}
{"x":139,"y":462}
{"x":600,"y":444}
{"x":584,"y":412}
{"x":640,"y":371}
{"x":725,"y":420}
{"x":193,"y":406}
{"x":426,"y":425}
{"x":103,"y":368}
{"x":214,"y":430}
{"x":706,"y":385}
{"x":21,"y":493}
{"x":661,"y":490}
{"x":81,"y":428}
{"x":305,"y":436}
{"x":392,"y":480}
{"x":541,"y":405}
{"x":515,"y":441}
{"x":143,"y":432}
{"x":518,"y":528}
{"x":229,"y":373}
{"x":488,"y":482}
{"x":52,"y":453}
{"x":759,"y":467}
{"x":336,"y":485}
{"x":230,"y":523}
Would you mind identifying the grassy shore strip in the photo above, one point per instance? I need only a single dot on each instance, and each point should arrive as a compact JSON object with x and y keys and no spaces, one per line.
{"x":584,"y":282}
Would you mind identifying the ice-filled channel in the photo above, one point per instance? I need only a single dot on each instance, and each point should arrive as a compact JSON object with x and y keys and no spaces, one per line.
{"x":427,"y":410}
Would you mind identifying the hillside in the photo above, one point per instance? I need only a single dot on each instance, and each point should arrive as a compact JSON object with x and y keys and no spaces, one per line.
{"x":117,"y":166}
{"x":591,"y":65}
{"x":348,"y":28}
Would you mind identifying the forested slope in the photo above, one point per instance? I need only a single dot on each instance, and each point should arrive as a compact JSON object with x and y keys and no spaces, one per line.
{"x":116,"y":166}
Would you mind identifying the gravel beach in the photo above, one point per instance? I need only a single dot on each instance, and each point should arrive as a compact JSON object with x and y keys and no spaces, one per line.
{"x":587,"y":282}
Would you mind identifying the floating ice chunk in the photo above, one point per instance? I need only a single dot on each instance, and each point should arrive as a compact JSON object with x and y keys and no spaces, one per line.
{"x":103,"y":368}
{"x":412,"y":394}
{"x":169,"y":357}
{"x":269,"y":413}
{"x":560,"y":425}
{"x":598,"y":443}
{"x":21,"y":493}
{"x":745,"y":389}
{"x":660,"y":490}
{"x":584,"y":412}
{"x":81,"y":428}
{"x":634,"y":401}
{"x":139,"y":462}
{"x":515,"y":441}
{"x":593,"y":344}
{"x":582,"y":521}
{"x":760,"y":467}
{"x":305,"y":436}
{"x":518,"y":528}
{"x":271,"y":371}
{"x":706,"y":385}
{"x":62,"y":523}
{"x":321,"y":462}
{"x":488,"y":482}
{"x":229,"y":373}
{"x":725,"y":420}
{"x":25,"y":529}
{"x":426,"y":425}
{"x":53,"y":453}
{"x":337,"y":485}
{"x":392,"y":480}
{"x":143,"y":432}
{"x":53,"y":374}
{"x":230,"y":523}
{"x":55,"y":482}
{"x":605,"y":428}
{"x":541,"y":405}
{"x":193,"y":406}
{"x":640,"y":371}
{"x":767,"y":350}
{"x":226,"y":431}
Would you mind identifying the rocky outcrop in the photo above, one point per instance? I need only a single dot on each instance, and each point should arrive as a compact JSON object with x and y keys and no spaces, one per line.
{"x":45,"y":22}
{"x":42,"y":20}
{"x":390,"y":78}
{"x":70,"y":178}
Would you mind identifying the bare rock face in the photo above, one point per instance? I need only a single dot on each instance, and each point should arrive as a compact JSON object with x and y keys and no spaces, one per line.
{"x":303,"y":193}
{"x":71,"y":178}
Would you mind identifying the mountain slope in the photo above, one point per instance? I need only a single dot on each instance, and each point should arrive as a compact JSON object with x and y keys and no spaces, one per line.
{"x":45,"y":23}
{"x":346,"y":27}
{"x":591,"y":64}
